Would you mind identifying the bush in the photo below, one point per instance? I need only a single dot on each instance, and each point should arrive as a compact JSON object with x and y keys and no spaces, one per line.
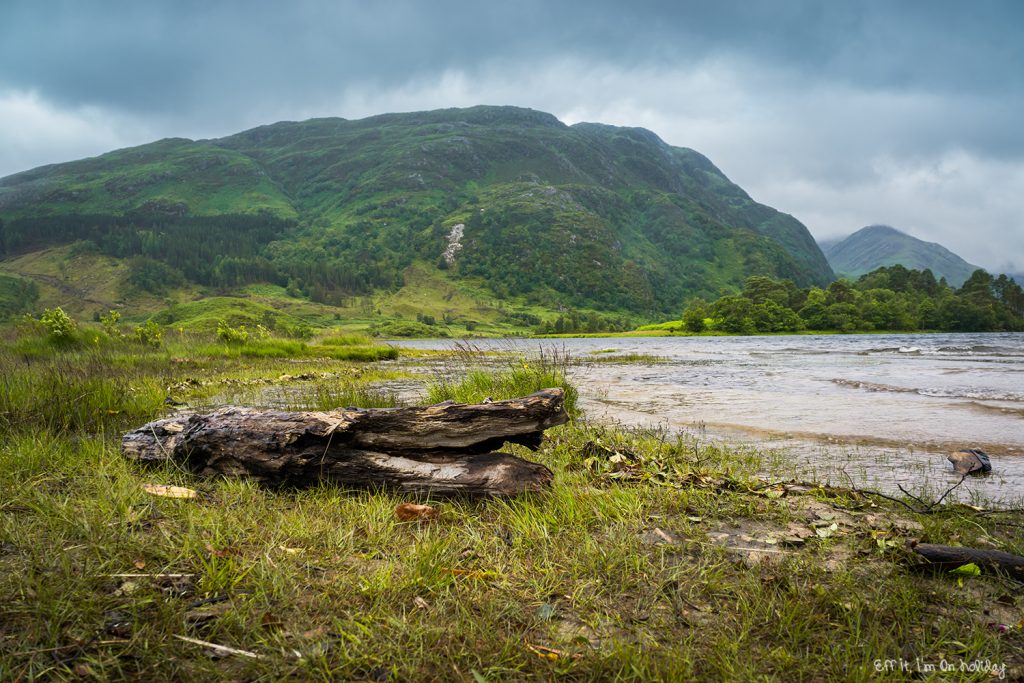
{"x":59,"y":326}
{"x":109,"y":322}
{"x":149,"y":334}
{"x":232,"y":335}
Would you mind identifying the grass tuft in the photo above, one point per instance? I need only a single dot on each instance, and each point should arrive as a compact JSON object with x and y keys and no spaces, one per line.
{"x":473,"y":376}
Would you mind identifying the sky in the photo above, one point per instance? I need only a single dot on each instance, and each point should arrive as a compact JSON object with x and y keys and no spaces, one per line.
{"x":843,"y":114}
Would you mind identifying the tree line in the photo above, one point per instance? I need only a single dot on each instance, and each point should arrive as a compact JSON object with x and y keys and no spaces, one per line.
{"x":891,"y":298}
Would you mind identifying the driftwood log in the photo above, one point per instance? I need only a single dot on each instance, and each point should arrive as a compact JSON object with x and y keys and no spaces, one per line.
{"x":951,"y":557}
{"x":445,"y":448}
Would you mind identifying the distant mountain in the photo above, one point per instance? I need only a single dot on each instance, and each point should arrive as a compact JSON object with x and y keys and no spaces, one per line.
{"x":881,"y":245}
{"x":509,"y":201}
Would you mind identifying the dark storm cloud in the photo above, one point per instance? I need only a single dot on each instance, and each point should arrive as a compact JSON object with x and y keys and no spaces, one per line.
{"x":208,"y":55}
{"x":842,"y":113}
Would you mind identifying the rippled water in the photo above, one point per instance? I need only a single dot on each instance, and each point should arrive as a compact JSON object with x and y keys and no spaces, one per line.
{"x":883,"y":409}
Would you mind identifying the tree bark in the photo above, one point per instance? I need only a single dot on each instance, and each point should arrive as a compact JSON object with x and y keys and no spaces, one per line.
{"x":444,"y":448}
{"x":951,"y":557}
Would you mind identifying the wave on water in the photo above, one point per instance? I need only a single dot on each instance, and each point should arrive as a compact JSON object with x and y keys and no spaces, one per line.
{"x":931,"y":392}
{"x":1002,"y":410}
{"x":964,"y":350}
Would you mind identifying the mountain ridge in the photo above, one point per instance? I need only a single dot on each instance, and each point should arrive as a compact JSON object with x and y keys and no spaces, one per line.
{"x":588,"y":215}
{"x":878,"y":245}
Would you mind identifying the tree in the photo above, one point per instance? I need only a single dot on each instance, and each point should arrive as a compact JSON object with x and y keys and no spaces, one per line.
{"x":733,"y":314}
{"x":772,"y":317}
{"x":694,"y":315}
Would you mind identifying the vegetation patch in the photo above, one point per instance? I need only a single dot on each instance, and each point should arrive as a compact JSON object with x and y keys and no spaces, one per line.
{"x":653,"y":557}
{"x":891,"y":298}
{"x":17,"y":295}
{"x":207,"y":314}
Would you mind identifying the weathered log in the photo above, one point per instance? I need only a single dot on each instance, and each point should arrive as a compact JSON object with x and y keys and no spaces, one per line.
{"x":444,"y":448}
{"x":951,"y":557}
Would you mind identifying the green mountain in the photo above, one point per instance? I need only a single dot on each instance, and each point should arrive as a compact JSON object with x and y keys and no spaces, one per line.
{"x":880,"y":245}
{"x":502,"y":202}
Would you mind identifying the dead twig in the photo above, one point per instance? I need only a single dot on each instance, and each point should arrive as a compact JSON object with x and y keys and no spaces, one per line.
{"x":928,"y":508}
{"x":224,"y":649}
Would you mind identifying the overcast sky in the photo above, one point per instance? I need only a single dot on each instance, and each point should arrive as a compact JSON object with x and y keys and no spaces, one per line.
{"x":843,"y":114}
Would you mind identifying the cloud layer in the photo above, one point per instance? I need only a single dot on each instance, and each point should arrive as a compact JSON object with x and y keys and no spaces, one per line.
{"x":842,"y":114}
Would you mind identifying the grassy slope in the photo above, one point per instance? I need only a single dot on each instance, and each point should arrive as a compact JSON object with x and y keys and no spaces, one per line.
{"x":174,"y":172}
{"x":649,"y":559}
{"x":589,"y":216}
{"x":85,"y":284}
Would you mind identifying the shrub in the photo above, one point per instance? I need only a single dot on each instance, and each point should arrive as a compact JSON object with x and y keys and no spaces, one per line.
{"x":150,"y":333}
{"x":59,"y":326}
{"x":232,"y":335}
{"x":109,"y":322}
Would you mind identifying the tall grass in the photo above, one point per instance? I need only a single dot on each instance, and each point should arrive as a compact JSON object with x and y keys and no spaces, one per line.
{"x":472,"y":376}
{"x":287,"y":348}
{"x":345,"y":340}
{"x":74,"y":391}
{"x":347,"y":395}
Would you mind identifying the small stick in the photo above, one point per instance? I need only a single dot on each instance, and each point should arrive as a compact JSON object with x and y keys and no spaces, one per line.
{"x":150,"y":576}
{"x":219,"y":648}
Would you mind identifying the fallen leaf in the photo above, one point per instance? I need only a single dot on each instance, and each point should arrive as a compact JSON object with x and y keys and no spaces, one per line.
{"x":550,"y":653}
{"x":169,"y":491}
{"x":127,"y":588}
{"x":969,"y":569}
{"x":545,"y":652}
{"x":270,"y":622}
{"x":663,"y":536}
{"x":223,"y":552}
{"x":826,"y":531}
{"x":411,"y":512}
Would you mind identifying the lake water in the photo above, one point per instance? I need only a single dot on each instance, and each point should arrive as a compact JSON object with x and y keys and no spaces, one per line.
{"x":879,"y":410}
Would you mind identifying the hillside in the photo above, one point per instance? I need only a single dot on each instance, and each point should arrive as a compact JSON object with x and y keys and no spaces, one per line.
{"x":552,"y":216}
{"x":880,"y":245}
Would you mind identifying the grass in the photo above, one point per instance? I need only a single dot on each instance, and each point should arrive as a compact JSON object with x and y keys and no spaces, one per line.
{"x":473,"y":376}
{"x":286,"y":348}
{"x":653,"y":557}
